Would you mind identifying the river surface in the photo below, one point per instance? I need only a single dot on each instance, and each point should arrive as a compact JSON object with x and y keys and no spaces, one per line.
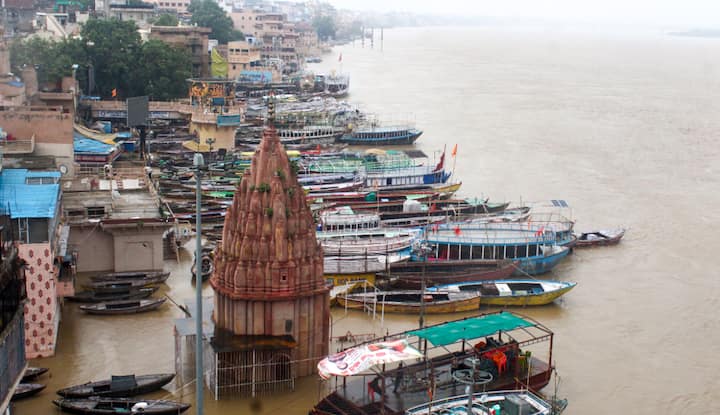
{"x":623,"y":127}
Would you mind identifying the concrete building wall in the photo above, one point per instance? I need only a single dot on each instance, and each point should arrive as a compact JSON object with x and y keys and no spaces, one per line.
{"x":138,"y":251}
{"x":42,"y":313}
{"x":95,"y":249}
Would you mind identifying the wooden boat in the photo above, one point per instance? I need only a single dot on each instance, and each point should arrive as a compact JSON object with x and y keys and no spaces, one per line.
{"x":361,"y":264}
{"x":409,"y":275}
{"x":496,"y":343}
{"x":133,"y":275}
{"x":25,"y":390}
{"x":411,"y":301}
{"x":364,"y":242}
{"x":520,"y":292}
{"x":123,"y":307}
{"x":98,"y":297}
{"x":600,"y":238}
{"x":488,"y":403}
{"x":33,"y":373}
{"x":118,"y":386}
{"x":119,"y":406}
{"x":107,"y":286}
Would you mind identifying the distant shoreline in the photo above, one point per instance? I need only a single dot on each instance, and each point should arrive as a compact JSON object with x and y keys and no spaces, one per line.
{"x":706,"y":33}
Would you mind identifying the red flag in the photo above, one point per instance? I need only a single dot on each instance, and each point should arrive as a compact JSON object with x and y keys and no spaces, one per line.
{"x":457,"y":231}
{"x":442,"y":161}
{"x":340,"y":57}
{"x":540,"y":231}
{"x":454,"y":151}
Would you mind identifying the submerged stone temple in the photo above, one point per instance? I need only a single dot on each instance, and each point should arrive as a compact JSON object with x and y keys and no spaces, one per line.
{"x":271,"y":308}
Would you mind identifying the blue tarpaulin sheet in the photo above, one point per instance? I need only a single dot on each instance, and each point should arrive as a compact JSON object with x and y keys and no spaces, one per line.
{"x":89,"y":146}
{"x":22,"y":200}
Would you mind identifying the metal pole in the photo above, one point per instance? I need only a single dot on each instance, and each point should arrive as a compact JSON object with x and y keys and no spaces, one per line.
{"x":198,"y":162}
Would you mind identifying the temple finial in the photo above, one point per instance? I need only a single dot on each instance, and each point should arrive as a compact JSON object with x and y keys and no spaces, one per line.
{"x":271,"y":109}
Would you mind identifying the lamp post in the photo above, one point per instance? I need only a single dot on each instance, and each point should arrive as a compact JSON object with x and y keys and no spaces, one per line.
{"x":198,"y":162}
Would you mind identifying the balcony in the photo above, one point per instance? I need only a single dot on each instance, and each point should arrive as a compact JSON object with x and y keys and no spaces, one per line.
{"x":16,"y":146}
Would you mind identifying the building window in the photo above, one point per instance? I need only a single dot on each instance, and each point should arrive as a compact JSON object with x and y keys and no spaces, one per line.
{"x":96,"y":212}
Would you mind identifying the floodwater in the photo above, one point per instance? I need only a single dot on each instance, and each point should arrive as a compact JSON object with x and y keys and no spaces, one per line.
{"x":623,"y":127}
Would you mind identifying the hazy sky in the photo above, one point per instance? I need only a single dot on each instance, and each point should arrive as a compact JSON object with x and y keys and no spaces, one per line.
{"x":705,"y":12}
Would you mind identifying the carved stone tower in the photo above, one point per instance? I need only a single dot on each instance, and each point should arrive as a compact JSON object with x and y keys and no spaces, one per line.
{"x":270,"y":293}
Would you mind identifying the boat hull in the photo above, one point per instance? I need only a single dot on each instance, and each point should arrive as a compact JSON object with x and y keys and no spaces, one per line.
{"x":381,"y":141}
{"x":525,"y":300}
{"x":25,"y":390}
{"x":144,"y":384}
{"x":445,"y":307}
{"x":109,"y":308}
{"x":539,"y":265}
{"x":103,"y":406}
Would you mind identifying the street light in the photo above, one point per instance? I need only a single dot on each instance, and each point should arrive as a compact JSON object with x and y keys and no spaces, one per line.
{"x":198,"y":163}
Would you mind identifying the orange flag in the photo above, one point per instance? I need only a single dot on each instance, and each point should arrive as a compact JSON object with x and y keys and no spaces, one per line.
{"x":114,"y":92}
{"x":454,"y":152}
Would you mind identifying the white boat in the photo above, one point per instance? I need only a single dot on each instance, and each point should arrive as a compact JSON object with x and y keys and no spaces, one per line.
{"x":367,"y":242}
{"x":487,"y":403}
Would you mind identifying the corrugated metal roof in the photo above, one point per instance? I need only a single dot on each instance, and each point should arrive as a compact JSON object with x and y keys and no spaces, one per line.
{"x":21,"y":200}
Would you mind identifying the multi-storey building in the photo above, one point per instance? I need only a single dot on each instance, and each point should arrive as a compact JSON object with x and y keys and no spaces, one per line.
{"x":192,"y":38}
{"x":12,"y":336}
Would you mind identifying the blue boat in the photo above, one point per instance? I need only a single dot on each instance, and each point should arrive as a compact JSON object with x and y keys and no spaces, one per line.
{"x":375,"y":136}
{"x":465,"y":246}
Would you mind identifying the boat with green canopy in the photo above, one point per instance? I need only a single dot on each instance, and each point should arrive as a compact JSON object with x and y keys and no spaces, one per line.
{"x":507,"y":350}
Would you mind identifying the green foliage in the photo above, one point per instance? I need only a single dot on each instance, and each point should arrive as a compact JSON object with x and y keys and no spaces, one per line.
{"x":166,"y":20}
{"x":53,"y":60}
{"x":325,"y":27}
{"x":281,"y":174}
{"x":113,"y":49}
{"x":165,"y":70}
{"x":263,"y":188}
{"x":207,"y":13}
{"x":119,"y":59}
{"x":269,"y":211}
{"x":294,"y":167}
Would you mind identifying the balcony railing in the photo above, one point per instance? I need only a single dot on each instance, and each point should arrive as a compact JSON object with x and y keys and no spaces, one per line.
{"x":17,"y":146}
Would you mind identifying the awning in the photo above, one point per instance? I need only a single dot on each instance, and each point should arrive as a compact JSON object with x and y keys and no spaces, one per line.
{"x":471,"y":328}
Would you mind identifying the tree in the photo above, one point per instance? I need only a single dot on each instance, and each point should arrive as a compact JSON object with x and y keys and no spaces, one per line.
{"x":207,"y":13}
{"x":165,"y":70}
{"x":120,"y":61}
{"x":325,"y":27}
{"x":53,"y":60}
{"x":166,"y":20}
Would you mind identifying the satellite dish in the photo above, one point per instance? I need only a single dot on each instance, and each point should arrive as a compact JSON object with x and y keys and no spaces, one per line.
{"x":63,"y":169}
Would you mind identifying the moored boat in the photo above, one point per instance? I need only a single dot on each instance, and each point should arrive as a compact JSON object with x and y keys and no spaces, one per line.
{"x":123,"y":307}
{"x":118,"y":386}
{"x":497,"y":344}
{"x":33,"y":372}
{"x":103,"y":406}
{"x":376,"y":135}
{"x":519,"y":292}
{"x":410,"y":275}
{"x":132,"y":275}
{"x":108,"y":286}
{"x":411,"y":301}
{"x":25,"y":390}
{"x":534,"y":251}
{"x":487,"y":403}
{"x":600,"y":238}
{"x":367,"y":242}
{"x":98,"y":297}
